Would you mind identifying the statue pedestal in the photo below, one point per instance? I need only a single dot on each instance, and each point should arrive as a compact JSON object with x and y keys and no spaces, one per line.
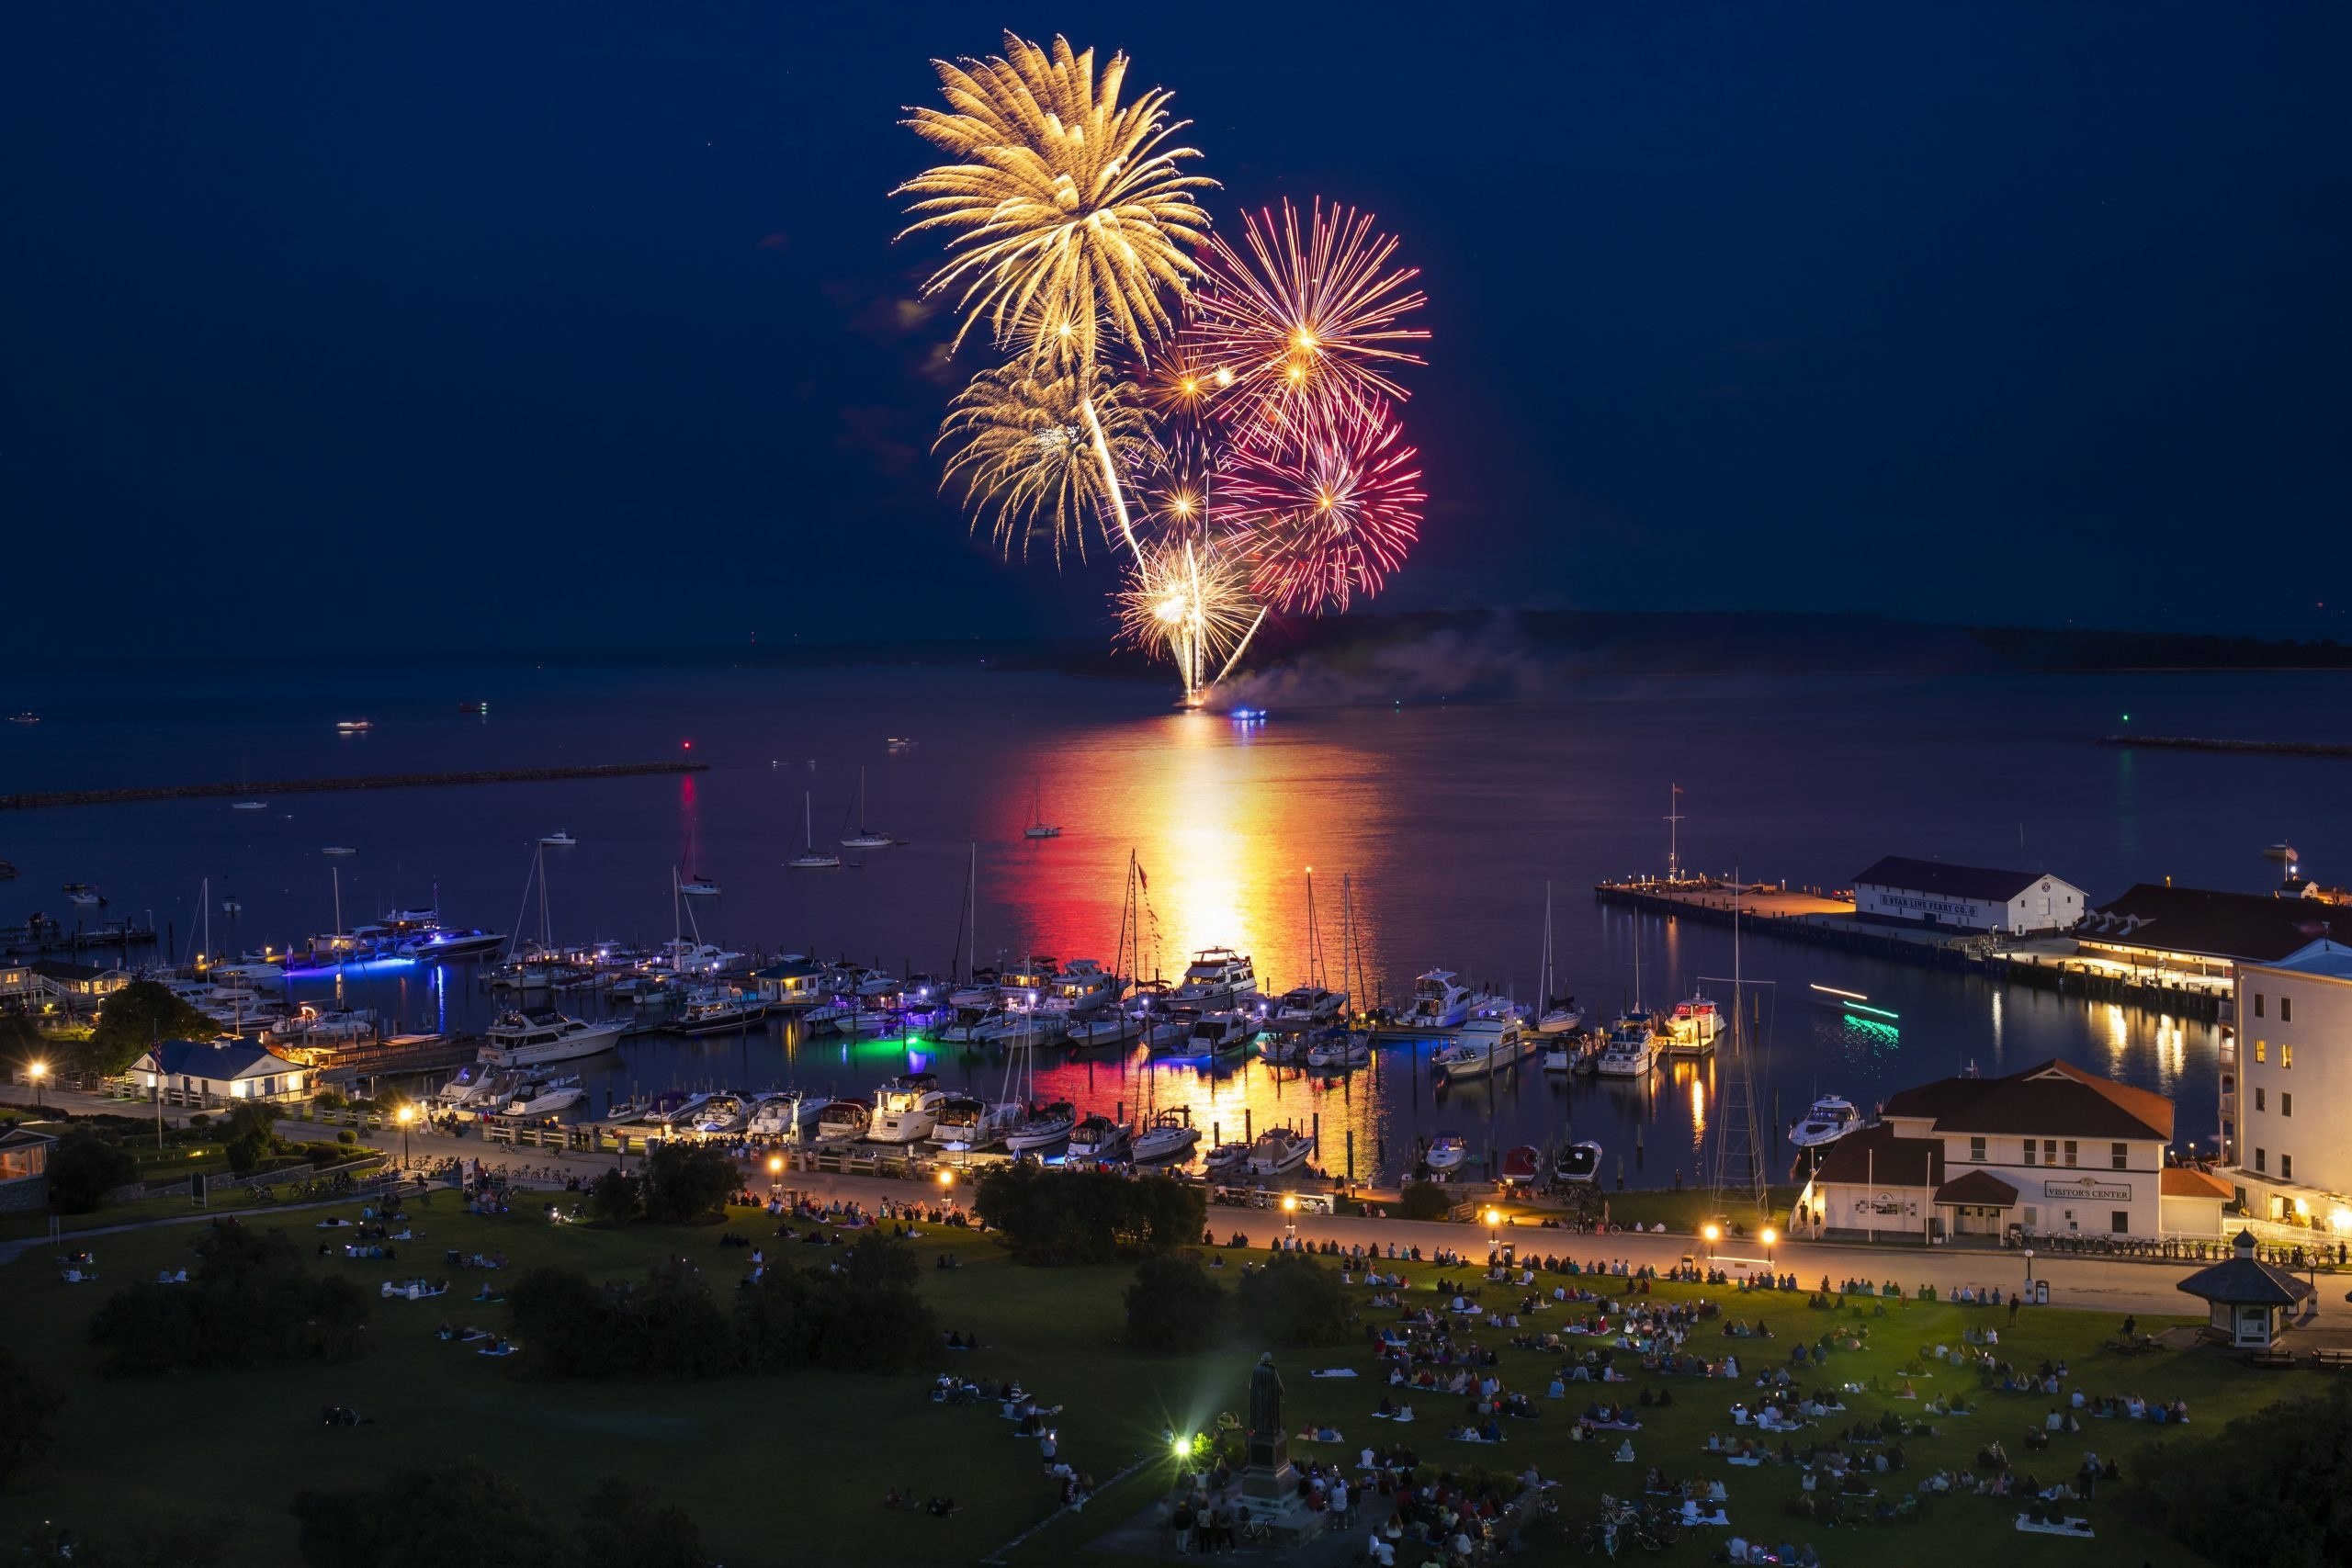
{"x":1263,"y":1489}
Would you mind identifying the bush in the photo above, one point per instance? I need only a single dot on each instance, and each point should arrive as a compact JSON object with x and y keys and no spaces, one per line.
{"x":29,"y":1408}
{"x":251,"y":1301}
{"x":82,"y":1169}
{"x":1292,"y":1300}
{"x":347,"y":1136}
{"x":327,"y":1100}
{"x":1424,"y":1200}
{"x":613,"y":1198}
{"x":1175,"y":1305}
{"x":1057,"y":1217}
{"x":684,"y":1184}
{"x":2264,"y":1492}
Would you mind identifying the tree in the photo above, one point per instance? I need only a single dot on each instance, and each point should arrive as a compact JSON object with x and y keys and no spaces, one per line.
{"x":1424,"y":1200}
{"x":2266,"y":1490}
{"x":1174,"y":1304}
{"x":83,"y":1168}
{"x":1292,"y":1300}
{"x":30,"y":1406}
{"x":623,"y":1525}
{"x":686,"y":1183}
{"x":613,"y":1198}
{"x":133,"y":1019}
{"x":252,"y":1301}
{"x":454,"y":1511}
{"x":1056,"y":1217}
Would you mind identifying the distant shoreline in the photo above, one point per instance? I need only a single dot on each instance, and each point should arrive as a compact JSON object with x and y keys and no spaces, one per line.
{"x":35,"y":800}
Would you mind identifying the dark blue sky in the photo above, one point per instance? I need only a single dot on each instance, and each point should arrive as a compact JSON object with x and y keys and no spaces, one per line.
{"x":581,"y":324}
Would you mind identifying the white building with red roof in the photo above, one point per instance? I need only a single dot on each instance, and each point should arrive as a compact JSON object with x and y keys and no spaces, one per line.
{"x":2052,"y":1150}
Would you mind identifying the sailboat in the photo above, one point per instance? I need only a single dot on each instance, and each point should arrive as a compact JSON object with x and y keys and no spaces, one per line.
{"x":1038,"y":826}
{"x":1561,"y":1016}
{"x":246,"y":805}
{"x":694,"y":883}
{"x":865,"y":838}
{"x":808,"y":859}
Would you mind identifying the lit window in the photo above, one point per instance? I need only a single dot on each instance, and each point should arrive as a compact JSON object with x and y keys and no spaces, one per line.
{"x":2286,"y":1055}
{"x":2262,"y":1050}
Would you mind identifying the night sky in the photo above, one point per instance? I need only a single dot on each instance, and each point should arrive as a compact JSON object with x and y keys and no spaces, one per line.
{"x":515,"y":326}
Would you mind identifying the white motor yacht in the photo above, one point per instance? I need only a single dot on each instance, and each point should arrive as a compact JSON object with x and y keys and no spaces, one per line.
{"x":1830,"y":1119}
{"x":1278,"y":1151}
{"x":1305,"y":1008}
{"x":547,"y":1097}
{"x":520,"y":1039}
{"x":843,"y":1122}
{"x":1445,"y":1154}
{"x":1103,"y":1029}
{"x":1282,"y":1050}
{"x":721,"y":1114}
{"x":1633,"y":1048}
{"x":715,"y":1010}
{"x":1440,"y":1000}
{"x":1692,"y":1026}
{"x":559,"y":840}
{"x":1097,"y":1138}
{"x":1217,"y":978}
{"x":1485,"y":1046}
{"x":782,"y":1115}
{"x":967,"y":1122}
{"x":1083,"y":989}
{"x":906,"y":1109}
{"x":1227,"y":1162}
{"x":1340,"y":1049}
{"x":1220,"y":1033}
{"x":1171,"y":1136}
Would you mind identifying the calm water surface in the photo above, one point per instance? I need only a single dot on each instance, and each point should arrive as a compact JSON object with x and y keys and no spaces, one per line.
{"x":1447,"y":822}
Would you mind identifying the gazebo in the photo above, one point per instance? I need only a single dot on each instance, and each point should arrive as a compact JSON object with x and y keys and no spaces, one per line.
{"x":2250,"y":1301}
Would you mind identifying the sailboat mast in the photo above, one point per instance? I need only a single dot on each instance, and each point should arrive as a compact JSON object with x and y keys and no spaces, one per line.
{"x":972,"y":917}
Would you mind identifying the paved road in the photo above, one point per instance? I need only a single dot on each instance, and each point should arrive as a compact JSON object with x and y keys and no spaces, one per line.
{"x":2086,"y":1284}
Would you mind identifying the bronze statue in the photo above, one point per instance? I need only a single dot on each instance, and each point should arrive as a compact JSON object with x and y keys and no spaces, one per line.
{"x":1269,"y":1443}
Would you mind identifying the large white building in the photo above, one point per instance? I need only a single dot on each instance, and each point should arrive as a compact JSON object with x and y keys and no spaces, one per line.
{"x":220,"y":1069}
{"x":2291,"y":1121}
{"x":1901,"y":891}
{"x":2048,"y":1151}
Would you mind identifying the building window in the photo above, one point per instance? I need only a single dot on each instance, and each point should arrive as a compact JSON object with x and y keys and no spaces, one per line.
{"x":2120,"y":1156}
{"x":2285,"y":1009}
{"x":2257,"y":1004}
{"x":2286,"y":1104}
{"x":2049,"y":1151}
{"x":2120,"y":1221}
{"x":2260,"y":1156}
{"x":2260,"y":1094}
{"x":2070,"y":1153}
{"x":2286,"y":1055}
{"x":1976,"y":1150}
{"x":2286,"y":1168}
{"x":2028,"y":1151}
{"x":2262,"y":1050}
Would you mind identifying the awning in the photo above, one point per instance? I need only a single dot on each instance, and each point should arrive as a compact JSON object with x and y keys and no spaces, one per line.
{"x":1980,"y":1188}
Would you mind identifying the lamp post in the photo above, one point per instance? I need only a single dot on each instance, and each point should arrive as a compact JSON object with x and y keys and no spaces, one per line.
{"x":37,"y":1071}
{"x":776,"y":1173}
{"x":1714,"y":1233}
{"x":406,"y":1114}
{"x":1494,"y":1233}
{"x":2028,"y":1266}
{"x":1771,"y":1235}
{"x":1290,"y":1218}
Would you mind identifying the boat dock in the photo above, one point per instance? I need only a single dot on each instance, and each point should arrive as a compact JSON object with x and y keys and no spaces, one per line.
{"x":1825,"y":921}
{"x":32,"y":942}
{"x":262,"y":788}
{"x":2252,"y":748}
{"x":399,"y":1057}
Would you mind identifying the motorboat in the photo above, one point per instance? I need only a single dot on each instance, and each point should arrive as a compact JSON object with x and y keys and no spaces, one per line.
{"x":338,"y":851}
{"x":355,"y":725}
{"x":27,"y":717}
{"x":782,"y":1115}
{"x":436,"y":946}
{"x":1633,"y":1048}
{"x":1278,"y":1151}
{"x":1171,"y":1136}
{"x":81,"y":893}
{"x":1561,"y":1018}
{"x":865,"y":1024}
{"x":722,"y":1115}
{"x":559,"y":840}
{"x":1041,"y":1127}
{"x":1103,"y":1029}
{"x":1485,"y":1046}
{"x":843,"y":1122}
{"x":715,"y":1010}
{"x":1440,"y":1000}
{"x":545,"y":1097}
{"x":1568,"y":1054}
{"x":1004,"y":1030}
{"x":1082,"y":987}
{"x":1097,"y":1138}
{"x":1830,"y":1119}
{"x":698,"y":887}
{"x":1225,"y":1162}
{"x":906,"y":1109}
{"x":1307,"y":1008}
{"x":1445,"y":1154}
{"x":1220,"y":1033}
{"x":519,"y":1039}
{"x":1692,"y":1026}
{"x":1164,"y":1028}
{"x":1217,"y":978}
{"x":967,"y":1122}
{"x":1028,"y":982}
{"x":962,"y":1025}
{"x":335,"y":1026}
{"x":1578,"y":1162}
{"x":980,"y":991}
{"x":1523,"y":1163}
{"x":1282,"y":1050}
{"x":1341,"y":1048}
{"x":249,"y":805}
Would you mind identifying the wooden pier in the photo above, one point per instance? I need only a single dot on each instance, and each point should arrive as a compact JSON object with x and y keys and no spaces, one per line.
{"x":257,"y":789}
{"x":400,"y":1056}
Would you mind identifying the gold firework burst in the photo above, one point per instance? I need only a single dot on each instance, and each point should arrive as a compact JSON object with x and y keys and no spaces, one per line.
{"x":1068,"y":211}
{"x":1018,"y":441}
{"x":1189,"y":602}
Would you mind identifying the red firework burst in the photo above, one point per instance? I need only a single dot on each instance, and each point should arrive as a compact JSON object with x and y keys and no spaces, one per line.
{"x":1330,"y":518}
{"x":1308,"y":325}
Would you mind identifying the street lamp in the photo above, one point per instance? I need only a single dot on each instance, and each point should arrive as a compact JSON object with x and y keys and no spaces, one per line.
{"x":1290,"y":1216}
{"x":37,"y":1071}
{"x":406,"y":1114}
{"x":1771,"y":1235}
{"x":1714,"y":1233}
{"x":1494,"y":1229}
{"x":776,"y":1172}
{"x":2028,"y":1266}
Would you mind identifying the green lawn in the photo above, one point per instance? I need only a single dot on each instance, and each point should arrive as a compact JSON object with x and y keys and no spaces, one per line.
{"x":793,"y":1467}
